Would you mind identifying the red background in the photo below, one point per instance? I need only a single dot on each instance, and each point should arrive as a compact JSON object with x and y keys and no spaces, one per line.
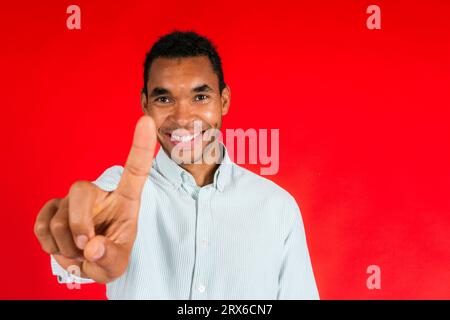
{"x":363,"y":118}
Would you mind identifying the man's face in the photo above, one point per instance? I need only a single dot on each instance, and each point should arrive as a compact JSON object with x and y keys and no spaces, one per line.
{"x":183,"y":95}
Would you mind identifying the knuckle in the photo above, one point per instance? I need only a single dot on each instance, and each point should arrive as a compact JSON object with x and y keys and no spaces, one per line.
{"x":58,"y":226}
{"x":80,"y":185}
{"x":41,"y":230}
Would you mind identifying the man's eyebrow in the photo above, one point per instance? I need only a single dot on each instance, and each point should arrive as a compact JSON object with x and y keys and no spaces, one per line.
{"x":159,"y":91}
{"x":202,"y":88}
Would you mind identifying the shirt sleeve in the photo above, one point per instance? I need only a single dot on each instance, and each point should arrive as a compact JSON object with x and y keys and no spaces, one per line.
{"x":107,"y":181}
{"x":296,"y":278}
{"x":65,"y":276}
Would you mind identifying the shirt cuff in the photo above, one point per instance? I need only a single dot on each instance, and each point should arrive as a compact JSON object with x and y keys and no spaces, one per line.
{"x":65,"y":276}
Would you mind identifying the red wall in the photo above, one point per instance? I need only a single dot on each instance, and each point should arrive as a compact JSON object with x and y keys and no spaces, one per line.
{"x":363,"y":118}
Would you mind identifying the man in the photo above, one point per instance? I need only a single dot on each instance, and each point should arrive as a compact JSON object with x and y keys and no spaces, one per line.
{"x":180,"y":227}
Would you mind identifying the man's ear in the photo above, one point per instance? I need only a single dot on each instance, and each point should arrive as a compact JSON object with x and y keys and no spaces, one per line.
{"x":144,"y":102}
{"x":226,"y":99}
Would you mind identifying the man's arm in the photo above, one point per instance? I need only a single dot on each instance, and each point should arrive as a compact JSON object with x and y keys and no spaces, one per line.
{"x":296,"y":280}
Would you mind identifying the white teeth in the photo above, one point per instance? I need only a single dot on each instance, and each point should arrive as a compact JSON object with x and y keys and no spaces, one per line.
{"x":184,"y":138}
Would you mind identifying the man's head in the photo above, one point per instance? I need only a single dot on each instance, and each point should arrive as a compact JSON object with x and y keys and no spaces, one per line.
{"x":183,"y":87}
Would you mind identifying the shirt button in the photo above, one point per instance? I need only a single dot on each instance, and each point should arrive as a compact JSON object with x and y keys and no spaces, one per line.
{"x":201,"y":288}
{"x":204,"y":243}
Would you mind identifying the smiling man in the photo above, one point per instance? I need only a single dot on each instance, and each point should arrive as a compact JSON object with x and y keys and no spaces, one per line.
{"x":180,"y":226}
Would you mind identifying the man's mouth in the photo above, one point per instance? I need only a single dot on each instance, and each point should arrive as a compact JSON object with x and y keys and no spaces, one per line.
{"x":184,"y":139}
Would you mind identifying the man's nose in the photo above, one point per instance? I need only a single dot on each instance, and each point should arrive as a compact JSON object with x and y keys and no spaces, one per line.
{"x":183,"y":113}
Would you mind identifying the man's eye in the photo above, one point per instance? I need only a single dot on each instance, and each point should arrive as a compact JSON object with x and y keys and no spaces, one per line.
{"x":201,"y":97}
{"x":163,"y":99}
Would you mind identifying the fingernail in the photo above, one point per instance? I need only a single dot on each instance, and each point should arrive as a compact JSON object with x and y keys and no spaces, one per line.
{"x":81,"y":241}
{"x":99,"y":252}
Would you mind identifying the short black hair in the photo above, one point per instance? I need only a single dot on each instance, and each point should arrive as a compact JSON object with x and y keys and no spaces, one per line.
{"x":181,"y":44}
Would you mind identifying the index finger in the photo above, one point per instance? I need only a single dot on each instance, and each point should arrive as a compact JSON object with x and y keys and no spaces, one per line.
{"x":139,"y":161}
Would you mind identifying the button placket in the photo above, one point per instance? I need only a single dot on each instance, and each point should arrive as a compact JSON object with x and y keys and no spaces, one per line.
{"x":202,"y":243}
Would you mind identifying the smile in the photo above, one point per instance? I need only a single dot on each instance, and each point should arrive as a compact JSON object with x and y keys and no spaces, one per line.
{"x":184,"y":138}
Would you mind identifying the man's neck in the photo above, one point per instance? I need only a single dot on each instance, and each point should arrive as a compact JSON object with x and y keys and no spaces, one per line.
{"x":203,"y":173}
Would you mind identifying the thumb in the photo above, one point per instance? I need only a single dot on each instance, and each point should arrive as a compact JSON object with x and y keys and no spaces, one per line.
{"x":105,"y":259}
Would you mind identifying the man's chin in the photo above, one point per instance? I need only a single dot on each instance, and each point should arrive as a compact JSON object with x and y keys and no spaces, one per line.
{"x":185,"y":156}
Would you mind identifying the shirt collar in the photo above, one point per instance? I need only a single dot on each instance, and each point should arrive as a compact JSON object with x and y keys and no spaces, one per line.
{"x":174,"y":173}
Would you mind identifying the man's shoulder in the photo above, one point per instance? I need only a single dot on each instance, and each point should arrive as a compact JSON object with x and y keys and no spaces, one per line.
{"x":109,"y":179}
{"x":255,"y":182}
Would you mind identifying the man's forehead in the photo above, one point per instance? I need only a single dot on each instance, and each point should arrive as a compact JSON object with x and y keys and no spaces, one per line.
{"x":181,"y":73}
{"x":168,"y":66}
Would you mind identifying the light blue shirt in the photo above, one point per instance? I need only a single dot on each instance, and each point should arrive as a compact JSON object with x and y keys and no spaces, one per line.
{"x":241,"y":237}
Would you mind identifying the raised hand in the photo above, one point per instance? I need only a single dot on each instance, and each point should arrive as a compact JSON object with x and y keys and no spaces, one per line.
{"x":94,"y":229}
